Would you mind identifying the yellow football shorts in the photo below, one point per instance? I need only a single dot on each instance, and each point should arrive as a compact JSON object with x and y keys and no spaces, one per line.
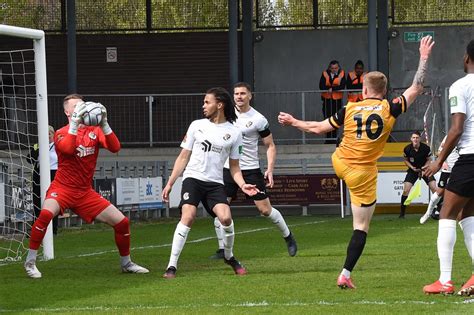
{"x":362,"y":183}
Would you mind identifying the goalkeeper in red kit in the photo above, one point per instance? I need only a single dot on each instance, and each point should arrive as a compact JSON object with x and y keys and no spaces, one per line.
{"x":77,"y":147}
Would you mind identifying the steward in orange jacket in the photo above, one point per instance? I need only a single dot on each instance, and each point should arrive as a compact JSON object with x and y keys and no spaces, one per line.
{"x":354,"y":82}
{"x":332,"y":81}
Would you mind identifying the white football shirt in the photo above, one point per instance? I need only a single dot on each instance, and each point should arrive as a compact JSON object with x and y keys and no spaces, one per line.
{"x":451,"y":159}
{"x":250,"y":124}
{"x":211,"y":145}
{"x":461,"y":100}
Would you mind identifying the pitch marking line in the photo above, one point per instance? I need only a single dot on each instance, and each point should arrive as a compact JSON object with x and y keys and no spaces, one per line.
{"x":199,"y":240}
{"x":261,"y":304}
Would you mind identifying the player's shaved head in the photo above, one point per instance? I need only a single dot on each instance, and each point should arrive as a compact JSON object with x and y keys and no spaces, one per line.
{"x":376,"y":82}
{"x":73,"y":96}
{"x":244,"y":85}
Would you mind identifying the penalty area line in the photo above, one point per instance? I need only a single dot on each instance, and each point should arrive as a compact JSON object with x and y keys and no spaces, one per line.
{"x":199,"y":240}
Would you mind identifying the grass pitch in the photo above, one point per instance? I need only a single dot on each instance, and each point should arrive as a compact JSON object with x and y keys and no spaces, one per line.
{"x":399,"y":258}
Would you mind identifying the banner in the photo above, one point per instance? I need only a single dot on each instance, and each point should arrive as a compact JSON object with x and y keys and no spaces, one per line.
{"x":300,"y":190}
{"x":150,"y":192}
{"x":127,"y":191}
{"x":106,"y":187}
{"x":390,"y":188}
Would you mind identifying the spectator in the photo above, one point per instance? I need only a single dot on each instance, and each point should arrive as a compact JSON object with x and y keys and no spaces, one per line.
{"x":354,"y":82}
{"x":33,"y":159}
{"x":332,"y":80}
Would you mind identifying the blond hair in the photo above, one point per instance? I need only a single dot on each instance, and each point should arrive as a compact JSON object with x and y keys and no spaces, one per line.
{"x":376,"y":82}
{"x":72,"y":96}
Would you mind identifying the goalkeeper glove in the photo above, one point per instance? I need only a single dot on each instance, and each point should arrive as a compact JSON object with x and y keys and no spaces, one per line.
{"x":103,"y":123}
{"x":76,"y":117}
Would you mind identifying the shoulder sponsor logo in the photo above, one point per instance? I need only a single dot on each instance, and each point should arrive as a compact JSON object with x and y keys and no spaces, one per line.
{"x":83,"y":151}
{"x":453,"y":101}
{"x":185,"y":138}
{"x":54,"y":194}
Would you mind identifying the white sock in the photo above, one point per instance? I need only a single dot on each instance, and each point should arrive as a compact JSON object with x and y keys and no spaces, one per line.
{"x":277,"y":219}
{"x":124,"y":260}
{"x":32,"y":253}
{"x":179,"y":239}
{"x":219,"y":233}
{"x":346,"y":273}
{"x":433,"y":202}
{"x":467,"y":226}
{"x":446,"y":241}
{"x":228,"y":240}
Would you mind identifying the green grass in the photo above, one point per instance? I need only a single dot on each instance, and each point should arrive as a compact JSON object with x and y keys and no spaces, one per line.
{"x":399,"y":258}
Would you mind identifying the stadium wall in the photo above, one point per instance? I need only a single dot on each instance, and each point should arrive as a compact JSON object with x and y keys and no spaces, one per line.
{"x":294,"y":60}
{"x":146,"y":63}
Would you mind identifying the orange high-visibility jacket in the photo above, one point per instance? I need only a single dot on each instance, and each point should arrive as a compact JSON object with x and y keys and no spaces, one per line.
{"x":337,"y":83}
{"x":354,"y":82}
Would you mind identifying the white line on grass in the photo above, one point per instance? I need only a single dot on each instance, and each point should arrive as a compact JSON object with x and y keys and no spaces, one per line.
{"x":248,"y":304}
{"x":199,"y":240}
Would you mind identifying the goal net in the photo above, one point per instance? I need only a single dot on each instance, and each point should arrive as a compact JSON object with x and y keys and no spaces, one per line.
{"x":23,"y":128}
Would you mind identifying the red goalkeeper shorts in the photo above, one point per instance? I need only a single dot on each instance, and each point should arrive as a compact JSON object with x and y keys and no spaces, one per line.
{"x":86,"y":203}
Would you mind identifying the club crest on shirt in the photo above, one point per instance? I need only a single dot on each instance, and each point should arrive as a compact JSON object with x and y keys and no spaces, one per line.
{"x":92,"y":135}
{"x":83,"y":151}
{"x":248,"y":124}
{"x":226,"y":137}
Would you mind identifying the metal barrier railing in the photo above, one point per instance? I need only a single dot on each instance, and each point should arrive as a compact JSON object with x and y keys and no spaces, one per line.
{"x":154,"y":120}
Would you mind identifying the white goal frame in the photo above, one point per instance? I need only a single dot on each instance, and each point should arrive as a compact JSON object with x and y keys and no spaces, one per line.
{"x":38,"y":38}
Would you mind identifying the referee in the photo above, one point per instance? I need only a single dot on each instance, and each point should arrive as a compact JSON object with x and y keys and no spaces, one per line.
{"x":416,"y":156}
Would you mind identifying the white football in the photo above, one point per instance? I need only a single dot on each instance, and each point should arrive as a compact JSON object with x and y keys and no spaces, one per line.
{"x":93,"y":114}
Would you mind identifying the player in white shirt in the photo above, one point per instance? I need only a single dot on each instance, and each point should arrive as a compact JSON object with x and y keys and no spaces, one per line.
{"x":459,"y":195}
{"x":435,"y":200}
{"x":208,"y":143}
{"x":254,"y":126}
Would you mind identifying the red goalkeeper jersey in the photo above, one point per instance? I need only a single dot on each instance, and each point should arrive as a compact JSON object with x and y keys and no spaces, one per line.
{"x":77,"y":155}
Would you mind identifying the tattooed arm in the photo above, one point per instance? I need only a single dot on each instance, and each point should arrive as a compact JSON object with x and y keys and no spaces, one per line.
{"x":426,"y":44}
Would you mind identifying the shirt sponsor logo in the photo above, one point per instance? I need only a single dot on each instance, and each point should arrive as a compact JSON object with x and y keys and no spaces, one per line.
{"x":453,"y":101}
{"x":207,"y":146}
{"x":377,"y":107}
{"x":83,"y":151}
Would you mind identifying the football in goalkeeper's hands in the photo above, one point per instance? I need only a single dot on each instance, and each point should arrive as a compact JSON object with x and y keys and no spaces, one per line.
{"x":93,"y":114}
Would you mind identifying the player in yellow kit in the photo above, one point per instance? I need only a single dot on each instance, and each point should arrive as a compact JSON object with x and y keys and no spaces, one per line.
{"x":367,"y":125}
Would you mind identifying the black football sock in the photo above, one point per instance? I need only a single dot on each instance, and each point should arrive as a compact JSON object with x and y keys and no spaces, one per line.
{"x":355,"y":248}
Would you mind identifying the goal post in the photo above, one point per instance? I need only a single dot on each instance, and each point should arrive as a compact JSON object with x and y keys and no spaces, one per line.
{"x":38,"y":38}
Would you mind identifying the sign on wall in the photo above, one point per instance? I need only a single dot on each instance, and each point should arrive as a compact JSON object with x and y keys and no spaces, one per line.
{"x":390,"y":188}
{"x":415,"y":37}
{"x":301,"y":190}
{"x":150,"y":192}
{"x":106,"y":187}
{"x":127,"y":191}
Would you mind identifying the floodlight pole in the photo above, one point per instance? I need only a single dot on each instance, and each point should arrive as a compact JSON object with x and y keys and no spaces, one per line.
{"x":71,"y":47}
{"x":372,"y":34}
{"x":233,"y":42}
